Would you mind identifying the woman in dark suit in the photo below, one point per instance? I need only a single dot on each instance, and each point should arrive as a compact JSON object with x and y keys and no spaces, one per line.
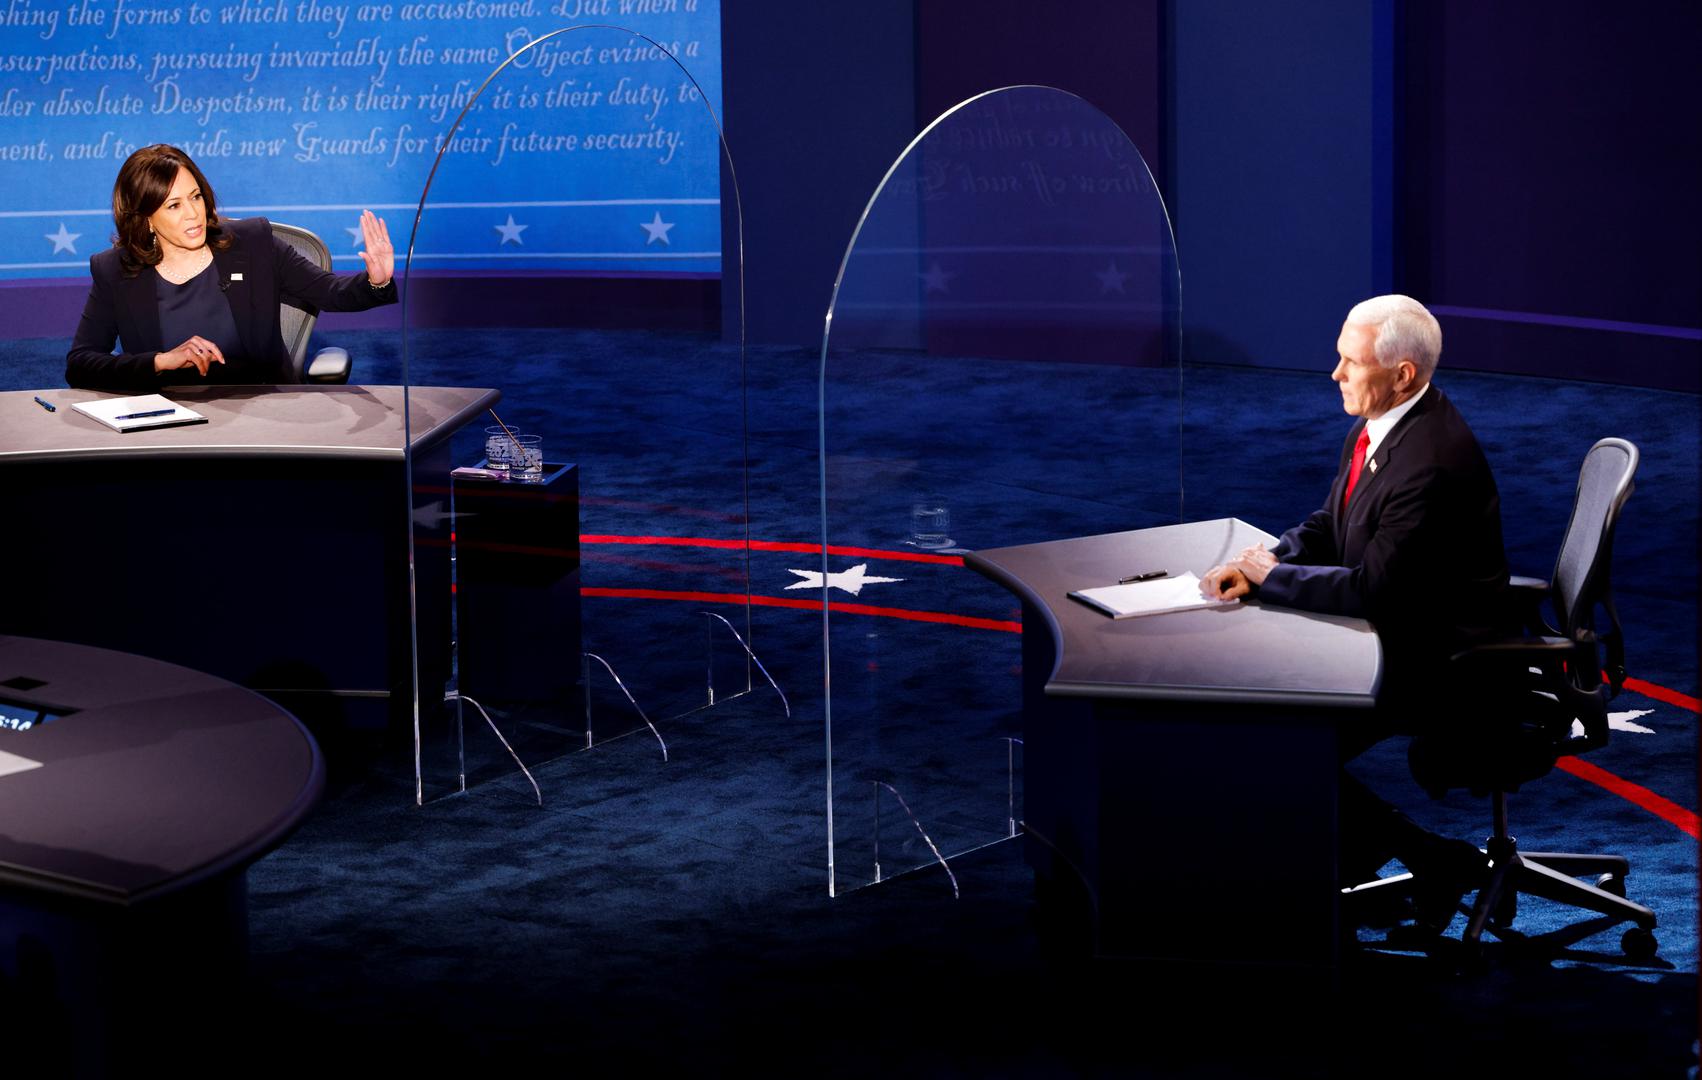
{"x":193,"y":297}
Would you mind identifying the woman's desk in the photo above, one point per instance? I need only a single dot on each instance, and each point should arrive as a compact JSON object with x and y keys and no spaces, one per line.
{"x":340,"y":423}
{"x":1184,"y":764}
{"x":268,"y":546}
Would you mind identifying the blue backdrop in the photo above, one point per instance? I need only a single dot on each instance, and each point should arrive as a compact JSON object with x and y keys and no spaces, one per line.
{"x":592,"y":152}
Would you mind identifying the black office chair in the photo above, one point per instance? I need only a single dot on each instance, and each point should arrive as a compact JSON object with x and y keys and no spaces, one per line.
{"x":1544,"y":696}
{"x":295,"y":320}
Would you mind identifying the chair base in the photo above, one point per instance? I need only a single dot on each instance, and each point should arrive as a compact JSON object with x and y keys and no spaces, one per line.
{"x":1553,"y":875}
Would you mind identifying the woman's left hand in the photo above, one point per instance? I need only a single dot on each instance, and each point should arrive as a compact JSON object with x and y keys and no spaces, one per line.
{"x":379,"y":256}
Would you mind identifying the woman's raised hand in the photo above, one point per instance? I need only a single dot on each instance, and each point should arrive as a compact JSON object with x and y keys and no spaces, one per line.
{"x":379,"y":256}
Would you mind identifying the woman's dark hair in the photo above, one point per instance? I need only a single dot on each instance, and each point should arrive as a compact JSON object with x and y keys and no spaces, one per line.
{"x":144,"y":181}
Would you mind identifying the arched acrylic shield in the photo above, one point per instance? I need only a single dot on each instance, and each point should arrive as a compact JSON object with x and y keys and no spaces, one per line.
{"x":587,"y":579}
{"x":1001,"y":365}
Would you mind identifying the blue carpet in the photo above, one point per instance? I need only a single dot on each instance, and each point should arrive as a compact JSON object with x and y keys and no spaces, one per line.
{"x":658,"y":913}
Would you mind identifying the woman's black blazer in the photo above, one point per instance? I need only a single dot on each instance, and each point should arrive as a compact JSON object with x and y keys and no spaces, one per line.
{"x":255,"y":273}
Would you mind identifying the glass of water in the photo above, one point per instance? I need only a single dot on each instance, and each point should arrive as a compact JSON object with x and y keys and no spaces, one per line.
{"x":499,"y":448}
{"x":930,"y":520}
{"x":526,"y":459}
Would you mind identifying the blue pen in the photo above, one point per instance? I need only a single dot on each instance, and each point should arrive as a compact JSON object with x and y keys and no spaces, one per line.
{"x":140,"y":415}
{"x":48,"y":405}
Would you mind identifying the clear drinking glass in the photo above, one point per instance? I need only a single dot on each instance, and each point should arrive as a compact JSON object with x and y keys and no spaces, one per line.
{"x":930,"y":520}
{"x":499,"y":448}
{"x":526,"y":459}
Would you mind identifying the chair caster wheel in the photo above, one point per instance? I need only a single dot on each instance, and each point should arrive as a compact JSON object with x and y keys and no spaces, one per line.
{"x":1638,"y":943}
{"x":1506,"y":910}
{"x":1611,"y":883}
{"x":1467,"y":960}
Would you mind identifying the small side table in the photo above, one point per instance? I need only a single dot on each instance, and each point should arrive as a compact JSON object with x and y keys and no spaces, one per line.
{"x":517,"y":587}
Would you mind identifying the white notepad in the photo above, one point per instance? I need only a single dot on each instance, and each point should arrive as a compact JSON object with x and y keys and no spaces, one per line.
{"x":1156,"y":597}
{"x":120,"y":414}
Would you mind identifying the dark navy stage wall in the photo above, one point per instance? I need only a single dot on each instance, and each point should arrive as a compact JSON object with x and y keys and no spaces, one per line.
{"x":1530,"y":170}
{"x":822,"y":98}
{"x":1277,"y":160}
{"x":819,"y":100}
{"x":1552,"y":194}
{"x":1107,"y":51}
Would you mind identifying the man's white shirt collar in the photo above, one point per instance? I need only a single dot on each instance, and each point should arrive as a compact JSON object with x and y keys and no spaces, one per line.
{"x":1378,"y":428}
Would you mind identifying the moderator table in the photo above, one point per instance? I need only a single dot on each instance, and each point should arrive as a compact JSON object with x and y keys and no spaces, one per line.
{"x":127,"y":823}
{"x":1180,"y":770}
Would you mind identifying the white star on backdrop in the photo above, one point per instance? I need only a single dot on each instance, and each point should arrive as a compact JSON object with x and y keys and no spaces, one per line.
{"x":658,"y":230}
{"x":62,"y":240}
{"x":355,"y":236}
{"x":851,"y":581}
{"x":1110,"y":279}
{"x":510,"y":232}
{"x":937,"y":278}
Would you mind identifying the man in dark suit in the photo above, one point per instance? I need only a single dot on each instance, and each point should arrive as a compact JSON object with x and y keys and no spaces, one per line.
{"x":1410,"y":538}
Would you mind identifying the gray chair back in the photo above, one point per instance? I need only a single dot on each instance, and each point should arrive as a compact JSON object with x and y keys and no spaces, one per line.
{"x":295,"y":319}
{"x":1586,"y":554}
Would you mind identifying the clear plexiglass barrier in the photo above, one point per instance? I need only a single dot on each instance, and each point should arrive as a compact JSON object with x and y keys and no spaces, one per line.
{"x":1000,"y":366}
{"x":588,"y":581}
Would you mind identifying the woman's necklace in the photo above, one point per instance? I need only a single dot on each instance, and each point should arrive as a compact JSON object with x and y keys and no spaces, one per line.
{"x":181,"y":270}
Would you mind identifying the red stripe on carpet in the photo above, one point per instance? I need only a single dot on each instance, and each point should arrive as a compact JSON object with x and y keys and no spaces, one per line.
{"x":802,"y":604}
{"x":776,"y":545}
{"x":1661,"y":807}
{"x":1661,"y":693}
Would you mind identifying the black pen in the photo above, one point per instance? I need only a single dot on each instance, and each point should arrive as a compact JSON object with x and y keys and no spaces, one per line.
{"x":151,"y":412}
{"x":48,"y":405}
{"x":1150,"y":575}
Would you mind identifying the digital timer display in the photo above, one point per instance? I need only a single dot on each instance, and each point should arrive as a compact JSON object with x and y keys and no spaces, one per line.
{"x":24,"y":716}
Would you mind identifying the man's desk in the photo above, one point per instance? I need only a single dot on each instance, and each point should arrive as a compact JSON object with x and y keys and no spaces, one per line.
{"x":268,"y":546}
{"x":1179,"y":770}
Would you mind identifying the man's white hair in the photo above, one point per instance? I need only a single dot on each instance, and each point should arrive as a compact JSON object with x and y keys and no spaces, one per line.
{"x":1405,"y":331}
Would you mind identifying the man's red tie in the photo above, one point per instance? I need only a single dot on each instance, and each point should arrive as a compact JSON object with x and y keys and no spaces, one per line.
{"x":1358,"y":464}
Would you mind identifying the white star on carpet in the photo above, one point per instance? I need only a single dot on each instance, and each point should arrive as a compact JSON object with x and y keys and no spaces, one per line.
{"x":510,"y":232}
{"x":433,"y":515}
{"x":937,"y":278}
{"x":658,"y":230}
{"x":1623,"y":721}
{"x":1619,"y":721}
{"x":1110,"y":279}
{"x":851,"y":581}
{"x":62,"y":240}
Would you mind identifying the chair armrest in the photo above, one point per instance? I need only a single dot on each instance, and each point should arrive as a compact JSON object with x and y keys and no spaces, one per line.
{"x":1524,"y":599}
{"x":1508,"y":650}
{"x":328,"y":366}
{"x":1525,"y":663}
{"x":1534,"y":587}
{"x":1542,"y":664}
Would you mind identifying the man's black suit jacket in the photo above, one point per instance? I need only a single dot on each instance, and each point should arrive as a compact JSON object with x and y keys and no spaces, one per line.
{"x":255,"y":272}
{"x":1419,"y":550}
